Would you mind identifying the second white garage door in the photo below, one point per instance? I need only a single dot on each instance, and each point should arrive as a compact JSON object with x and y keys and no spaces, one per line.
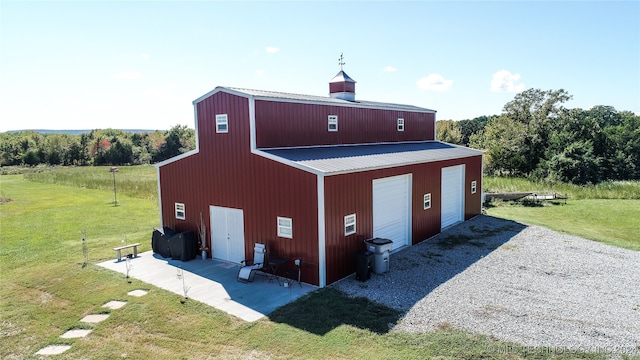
{"x":391,"y":211}
{"x":452,"y":195}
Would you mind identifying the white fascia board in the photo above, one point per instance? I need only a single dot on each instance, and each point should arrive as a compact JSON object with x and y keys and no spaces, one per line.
{"x":159,"y":196}
{"x":322,"y":257}
{"x":220,"y":89}
{"x":435,"y":120}
{"x":252,"y":122}
{"x":286,"y":162}
{"x":188,"y":153}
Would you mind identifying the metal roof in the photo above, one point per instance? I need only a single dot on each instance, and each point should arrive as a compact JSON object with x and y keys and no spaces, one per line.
{"x":342,"y":76}
{"x":331,"y":160}
{"x":282,"y":96}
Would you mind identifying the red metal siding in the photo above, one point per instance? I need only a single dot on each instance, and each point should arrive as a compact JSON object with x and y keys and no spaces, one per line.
{"x":281,"y":124}
{"x":342,"y":87}
{"x":352,"y":193}
{"x":225,"y":173}
{"x":473,"y":202}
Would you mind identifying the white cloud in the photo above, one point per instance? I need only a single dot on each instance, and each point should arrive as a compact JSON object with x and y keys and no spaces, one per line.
{"x":505,"y":81}
{"x":389,"y":68}
{"x":272,"y":50}
{"x":145,"y":56}
{"x":434,"y":82}
{"x":129,"y":75}
{"x":260,"y":72}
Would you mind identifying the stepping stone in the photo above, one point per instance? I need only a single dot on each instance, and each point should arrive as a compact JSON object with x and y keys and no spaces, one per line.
{"x":75,"y":333}
{"x":53,"y":349}
{"x":95,"y":318}
{"x":137,"y":293}
{"x":114,"y":304}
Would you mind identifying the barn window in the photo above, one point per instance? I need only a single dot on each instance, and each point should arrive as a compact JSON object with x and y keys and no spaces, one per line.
{"x":473,"y":187}
{"x":350,"y":224}
{"x":180,"y":214}
{"x":400,"y":124}
{"x":222,"y":123}
{"x":333,"y":122}
{"x":285,"y":227}
{"x":427,"y":201}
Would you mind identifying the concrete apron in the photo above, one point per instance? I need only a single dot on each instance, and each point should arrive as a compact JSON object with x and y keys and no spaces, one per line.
{"x":212,"y":282}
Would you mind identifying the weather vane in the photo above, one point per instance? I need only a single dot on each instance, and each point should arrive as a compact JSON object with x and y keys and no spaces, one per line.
{"x":341,"y":61}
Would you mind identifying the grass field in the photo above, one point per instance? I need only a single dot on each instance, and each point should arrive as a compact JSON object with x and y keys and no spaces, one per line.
{"x":607,"y":212}
{"x":46,"y":289}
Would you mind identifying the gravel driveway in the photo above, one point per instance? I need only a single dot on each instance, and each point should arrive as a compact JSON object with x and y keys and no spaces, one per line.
{"x":524,"y":284}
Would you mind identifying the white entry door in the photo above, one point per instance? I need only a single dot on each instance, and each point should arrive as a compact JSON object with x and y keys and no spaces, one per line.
{"x":391,"y":210}
{"x":452,"y":196}
{"x":227,"y":234}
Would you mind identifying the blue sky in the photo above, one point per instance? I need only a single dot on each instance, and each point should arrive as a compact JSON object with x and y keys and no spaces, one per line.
{"x":140,"y":64}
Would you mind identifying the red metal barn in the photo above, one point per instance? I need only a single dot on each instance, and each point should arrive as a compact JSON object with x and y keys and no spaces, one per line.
{"x":313,"y":177}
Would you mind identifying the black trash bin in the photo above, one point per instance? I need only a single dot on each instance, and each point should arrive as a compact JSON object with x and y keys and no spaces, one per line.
{"x":363,"y":265}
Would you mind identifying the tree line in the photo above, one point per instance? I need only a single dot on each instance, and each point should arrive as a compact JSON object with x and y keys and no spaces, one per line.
{"x":538,"y":138}
{"x":535,"y":137}
{"x":97,"y":147}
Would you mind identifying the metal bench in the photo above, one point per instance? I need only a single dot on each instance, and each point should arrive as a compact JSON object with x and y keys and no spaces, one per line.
{"x":120,"y":248}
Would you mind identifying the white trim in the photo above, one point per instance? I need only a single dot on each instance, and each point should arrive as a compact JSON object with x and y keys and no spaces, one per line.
{"x":434,"y":127}
{"x":159,"y":195}
{"x":322,"y":260}
{"x":481,"y":184}
{"x":180,"y":208}
{"x":424,"y":201}
{"x":252,"y":123}
{"x":332,"y":120}
{"x":285,"y":234}
{"x":347,"y":233}
{"x":222,"y":119}
{"x":286,"y":162}
{"x":188,"y":153}
{"x":328,"y":101}
{"x":310,"y":169}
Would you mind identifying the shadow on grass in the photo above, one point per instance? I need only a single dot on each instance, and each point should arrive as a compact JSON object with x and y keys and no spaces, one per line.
{"x":326,"y":309}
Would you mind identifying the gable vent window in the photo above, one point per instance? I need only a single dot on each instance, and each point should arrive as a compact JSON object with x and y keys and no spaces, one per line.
{"x":180,"y":214}
{"x":400,"y":124}
{"x":285,"y":227}
{"x":333,"y":122}
{"x":222,"y":123}
{"x":427,"y":201}
{"x":350,"y":224}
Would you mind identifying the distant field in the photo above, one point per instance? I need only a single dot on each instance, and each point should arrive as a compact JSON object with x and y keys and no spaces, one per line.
{"x":46,"y":289}
{"x":135,"y":181}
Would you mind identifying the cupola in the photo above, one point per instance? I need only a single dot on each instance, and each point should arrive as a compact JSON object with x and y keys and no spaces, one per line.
{"x":342,"y":86}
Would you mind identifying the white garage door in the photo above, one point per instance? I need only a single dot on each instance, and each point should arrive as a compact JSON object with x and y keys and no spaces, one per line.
{"x":391,"y":211}
{"x":452,"y":195}
{"x":227,"y":234}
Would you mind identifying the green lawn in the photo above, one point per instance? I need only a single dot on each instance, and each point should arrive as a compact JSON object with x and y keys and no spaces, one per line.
{"x":614,"y":222}
{"x":607,"y":212}
{"x":46,"y":289}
